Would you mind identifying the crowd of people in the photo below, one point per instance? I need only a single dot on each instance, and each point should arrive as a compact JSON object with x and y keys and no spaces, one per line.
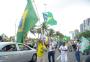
{"x":50,"y":48}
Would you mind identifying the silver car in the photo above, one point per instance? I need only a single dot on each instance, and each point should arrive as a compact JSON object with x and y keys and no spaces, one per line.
{"x":14,"y":52}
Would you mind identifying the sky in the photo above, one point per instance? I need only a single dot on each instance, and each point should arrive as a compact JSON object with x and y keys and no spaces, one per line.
{"x":69,"y":14}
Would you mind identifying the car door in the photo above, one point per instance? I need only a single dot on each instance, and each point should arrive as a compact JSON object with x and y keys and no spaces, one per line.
{"x":26,"y":54}
{"x":10,"y":53}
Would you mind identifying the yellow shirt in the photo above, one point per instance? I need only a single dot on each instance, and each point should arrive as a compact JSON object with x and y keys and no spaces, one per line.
{"x":40,"y":50}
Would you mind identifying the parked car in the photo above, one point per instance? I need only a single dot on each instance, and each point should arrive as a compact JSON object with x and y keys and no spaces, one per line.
{"x":14,"y":52}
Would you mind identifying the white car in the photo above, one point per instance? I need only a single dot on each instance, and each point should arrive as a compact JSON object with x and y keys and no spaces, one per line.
{"x":14,"y":52}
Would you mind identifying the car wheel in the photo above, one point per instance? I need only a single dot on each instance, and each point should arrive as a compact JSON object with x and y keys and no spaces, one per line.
{"x":34,"y":58}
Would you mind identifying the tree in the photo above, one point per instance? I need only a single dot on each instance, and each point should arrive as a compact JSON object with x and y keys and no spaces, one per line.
{"x":59,"y":35}
{"x":39,"y":30}
{"x":85,"y":34}
{"x":44,"y":27}
{"x":51,"y":32}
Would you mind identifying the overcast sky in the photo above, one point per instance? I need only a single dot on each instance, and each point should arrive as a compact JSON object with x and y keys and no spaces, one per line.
{"x":68,"y":13}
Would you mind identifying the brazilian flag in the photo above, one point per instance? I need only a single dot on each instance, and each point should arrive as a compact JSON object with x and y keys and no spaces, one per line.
{"x":28,"y":21}
{"x":49,"y":19}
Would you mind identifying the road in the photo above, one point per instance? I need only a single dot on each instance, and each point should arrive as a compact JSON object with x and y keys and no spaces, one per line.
{"x":71,"y":57}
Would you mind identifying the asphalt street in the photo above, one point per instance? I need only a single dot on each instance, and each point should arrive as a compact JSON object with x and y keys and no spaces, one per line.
{"x":71,"y":57}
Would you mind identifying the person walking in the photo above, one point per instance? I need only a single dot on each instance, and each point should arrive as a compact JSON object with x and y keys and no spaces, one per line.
{"x":40,"y":51}
{"x":77,"y":52}
{"x":51,"y":50}
{"x":63,"y":49}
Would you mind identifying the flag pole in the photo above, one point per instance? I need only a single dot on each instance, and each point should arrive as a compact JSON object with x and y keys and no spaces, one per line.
{"x":15,"y":30}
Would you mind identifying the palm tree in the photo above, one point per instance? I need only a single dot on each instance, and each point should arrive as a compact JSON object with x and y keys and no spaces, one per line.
{"x":51,"y":32}
{"x":59,"y":35}
{"x":44,"y":27}
{"x":38,"y":31}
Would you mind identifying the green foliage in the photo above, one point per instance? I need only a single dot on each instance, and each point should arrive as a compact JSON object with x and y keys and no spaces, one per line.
{"x":66,"y":38}
{"x":44,"y":27}
{"x":51,"y":32}
{"x":39,"y":30}
{"x":60,"y":35}
{"x":85,"y":34}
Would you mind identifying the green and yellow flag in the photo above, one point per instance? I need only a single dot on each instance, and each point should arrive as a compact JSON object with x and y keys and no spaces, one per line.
{"x":48,"y":18}
{"x":66,"y":38}
{"x":28,"y":21}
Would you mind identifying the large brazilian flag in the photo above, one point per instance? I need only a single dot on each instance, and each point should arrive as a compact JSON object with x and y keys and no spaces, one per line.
{"x":28,"y":21}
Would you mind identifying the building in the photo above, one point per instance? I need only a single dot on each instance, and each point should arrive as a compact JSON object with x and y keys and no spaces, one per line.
{"x":74,"y":33}
{"x":82,"y":27}
{"x":85,"y":25}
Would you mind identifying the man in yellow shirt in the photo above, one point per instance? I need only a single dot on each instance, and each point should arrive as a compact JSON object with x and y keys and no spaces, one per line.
{"x":40,"y":51}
